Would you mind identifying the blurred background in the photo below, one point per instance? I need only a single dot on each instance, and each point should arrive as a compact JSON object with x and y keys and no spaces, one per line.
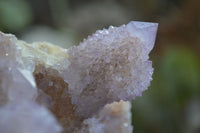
{"x":172,"y":103}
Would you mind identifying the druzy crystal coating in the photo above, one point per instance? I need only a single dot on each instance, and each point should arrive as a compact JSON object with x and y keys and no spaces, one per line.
{"x":110,"y":65}
{"x":83,"y":89}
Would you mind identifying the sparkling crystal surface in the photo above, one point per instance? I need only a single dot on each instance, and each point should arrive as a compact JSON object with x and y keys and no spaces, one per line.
{"x":85,"y":89}
{"x":110,"y":65}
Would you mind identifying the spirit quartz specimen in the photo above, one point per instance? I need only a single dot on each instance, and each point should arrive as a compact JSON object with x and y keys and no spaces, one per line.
{"x":85,"y":89}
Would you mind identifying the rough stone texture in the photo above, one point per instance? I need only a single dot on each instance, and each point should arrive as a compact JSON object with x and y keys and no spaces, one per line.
{"x":78,"y":85}
{"x":53,"y":93}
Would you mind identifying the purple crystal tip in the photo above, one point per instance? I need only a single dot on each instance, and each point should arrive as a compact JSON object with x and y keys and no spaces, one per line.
{"x":146,"y":31}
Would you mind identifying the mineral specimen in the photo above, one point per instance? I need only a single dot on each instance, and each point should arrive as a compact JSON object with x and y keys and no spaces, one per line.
{"x":81,"y":86}
{"x":111,"y":65}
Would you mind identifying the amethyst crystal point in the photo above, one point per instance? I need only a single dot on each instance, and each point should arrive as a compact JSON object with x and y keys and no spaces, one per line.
{"x":110,"y":65}
{"x":145,"y":31}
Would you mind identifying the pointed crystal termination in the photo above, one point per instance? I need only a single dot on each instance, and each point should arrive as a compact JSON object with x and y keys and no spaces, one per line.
{"x":145,"y":31}
{"x":110,"y":65}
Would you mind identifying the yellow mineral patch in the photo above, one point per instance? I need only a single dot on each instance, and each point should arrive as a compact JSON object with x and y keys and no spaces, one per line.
{"x":118,"y":108}
{"x":44,"y":53}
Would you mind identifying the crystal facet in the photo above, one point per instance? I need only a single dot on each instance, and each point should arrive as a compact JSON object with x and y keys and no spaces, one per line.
{"x":27,"y":117}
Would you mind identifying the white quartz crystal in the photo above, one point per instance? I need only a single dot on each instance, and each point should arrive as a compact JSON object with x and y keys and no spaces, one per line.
{"x":27,"y":117}
{"x":16,"y":85}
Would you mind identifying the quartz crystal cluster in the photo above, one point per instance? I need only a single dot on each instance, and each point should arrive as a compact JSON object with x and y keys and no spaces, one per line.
{"x":84,"y":89}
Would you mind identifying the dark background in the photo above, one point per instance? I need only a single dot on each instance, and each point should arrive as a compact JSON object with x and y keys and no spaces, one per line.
{"x":172,"y":103}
